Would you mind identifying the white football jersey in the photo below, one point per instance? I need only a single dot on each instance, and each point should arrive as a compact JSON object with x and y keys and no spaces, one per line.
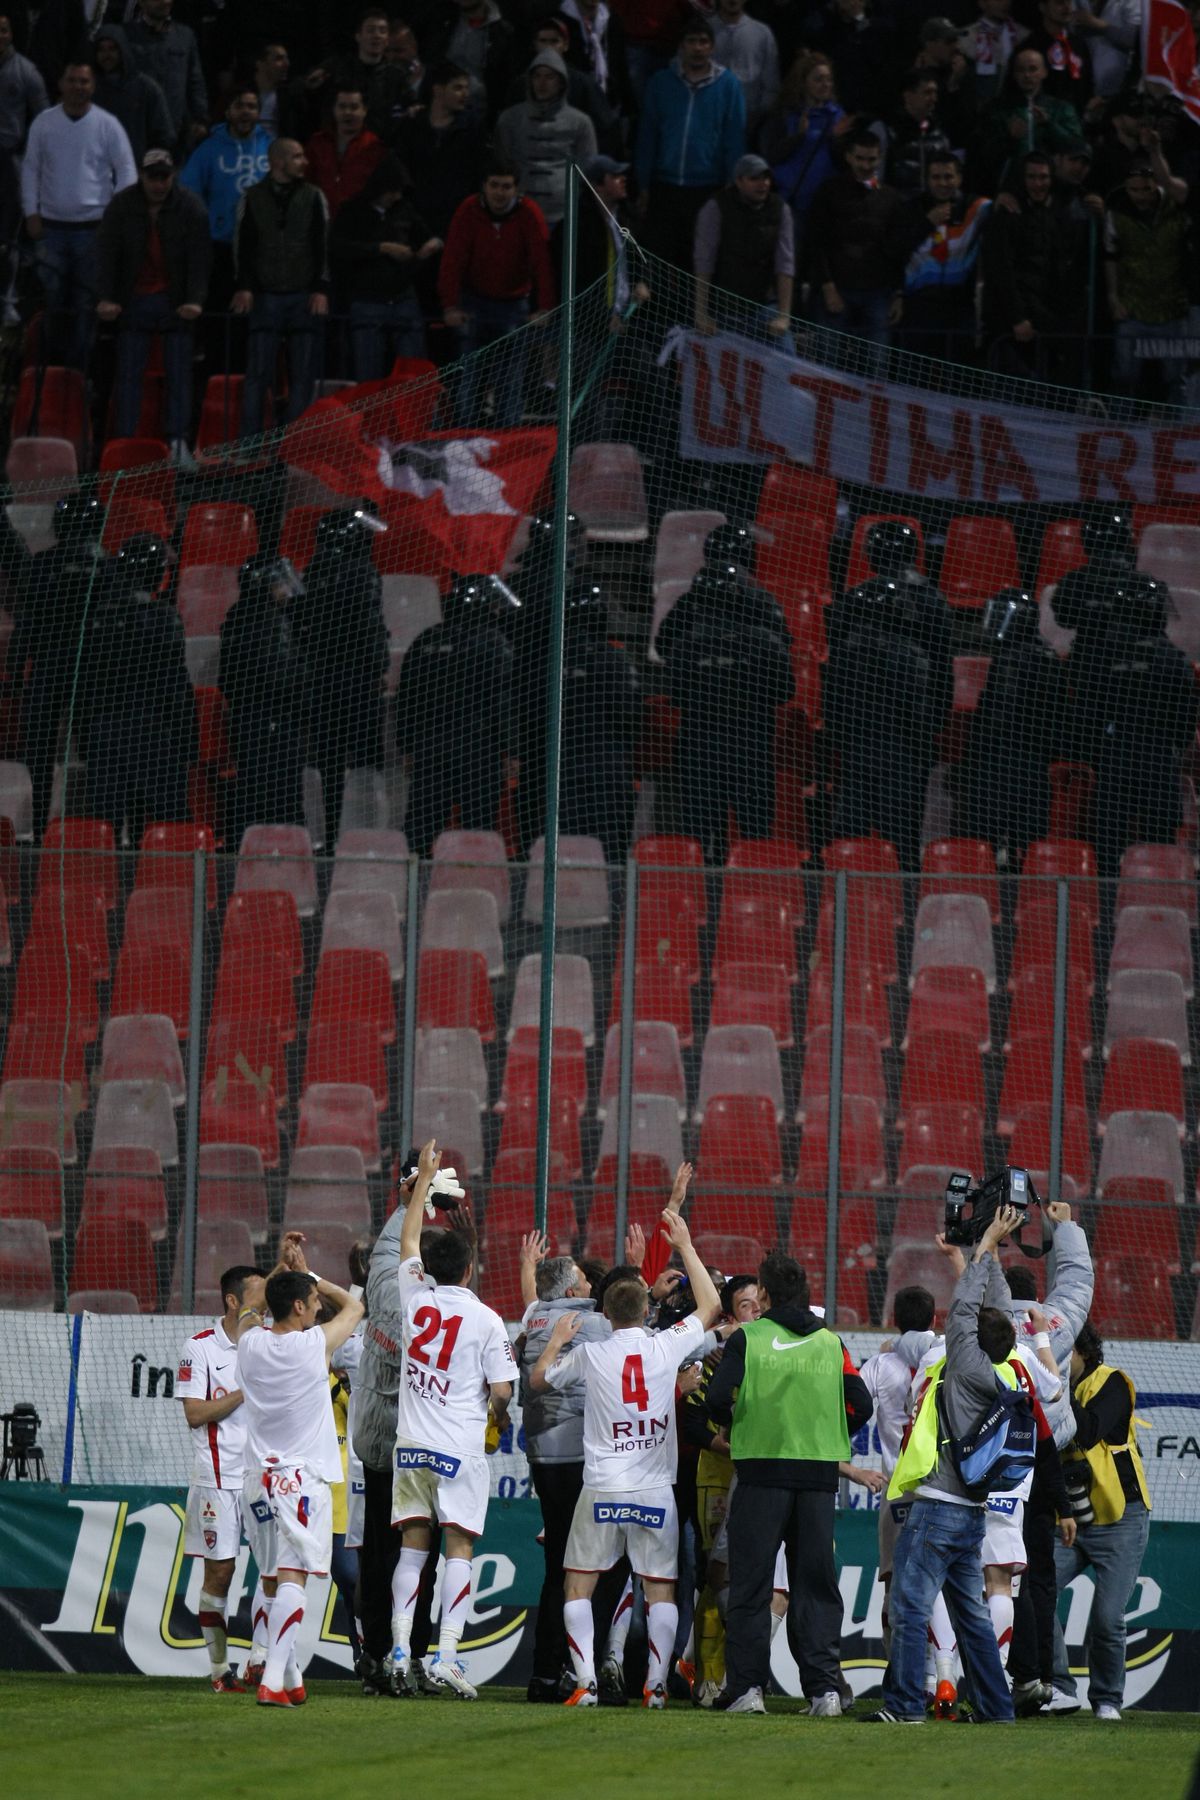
{"x":629,"y":1440}
{"x":888,"y":1379}
{"x":284,"y":1376}
{"x":208,"y":1371}
{"x":454,"y":1347}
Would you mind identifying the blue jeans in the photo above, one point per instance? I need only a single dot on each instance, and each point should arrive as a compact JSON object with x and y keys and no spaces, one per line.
{"x":146,"y":316}
{"x":1126,"y":367}
{"x":382,"y":330}
{"x":277,"y":316}
{"x":488,"y":321}
{"x":939,"y":1547}
{"x":864,"y":314}
{"x":67,"y":266}
{"x":1114,"y":1555}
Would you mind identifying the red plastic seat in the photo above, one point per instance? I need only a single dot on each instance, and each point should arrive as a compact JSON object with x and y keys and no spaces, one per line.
{"x":755,"y":928}
{"x":356,"y":985}
{"x":870,"y":934}
{"x":665,"y":935}
{"x":129,"y":513}
{"x":221,"y":411}
{"x":608,"y":492}
{"x":1072,"y":786}
{"x":791,"y":560}
{"x":873,"y":857}
{"x":31,"y":1186}
{"x":941,"y":1068}
{"x":1062,"y":550}
{"x":979,"y":560}
{"x":139,"y":465}
{"x":26,"y":1272}
{"x":519,"y":1130}
{"x":1064,"y":857}
{"x":1037,"y":941}
{"x":347,"y":1050}
{"x":513,"y":1209}
{"x":154,"y":978}
{"x":297,"y":536}
{"x":856,"y":1252}
{"x":747,"y":993}
{"x":231,"y":1185}
{"x":126,"y":1184}
{"x":961,"y":866}
{"x":671,"y":869}
{"x":863,"y":1164}
{"x":167,"y":858}
{"x":1132,"y":1298}
{"x":340,"y":1112}
{"x":739,"y":1144}
{"x":59,"y":986}
{"x":241,"y":1112}
{"x":790,"y":489}
{"x":1030,"y":1145}
{"x":1159,"y":875}
{"x":912,"y":1265}
{"x":143,"y":1047}
{"x":1142,"y":1075}
{"x":1032,"y":1009}
{"x":660,"y":991}
{"x":864,"y":1001}
{"x":46,"y":468}
{"x":275,"y":857}
{"x":1028,"y":1078}
{"x":264,"y":922}
{"x":945,"y":998}
{"x":921,"y":1204}
{"x":158,"y":917}
{"x":453,"y":990}
{"x":256,"y":986}
{"x":770,"y":866}
{"x":942,"y":1134}
{"x":858,"y":569}
{"x":1138,"y":1216}
{"x":118,"y":1249}
{"x":472,"y":859}
{"x":723,"y":1208}
{"x":862,"y":1069}
{"x":250,"y":1048}
{"x":218,"y":532}
{"x":72,"y":916}
{"x":1153,"y":937}
{"x":568,"y":1067}
{"x":83,"y":856}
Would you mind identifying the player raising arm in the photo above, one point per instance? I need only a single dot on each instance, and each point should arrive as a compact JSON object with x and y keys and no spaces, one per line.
{"x":630,"y":1455}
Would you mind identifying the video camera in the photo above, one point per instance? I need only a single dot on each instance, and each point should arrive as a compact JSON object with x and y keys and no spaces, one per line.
{"x":1011,"y":1187}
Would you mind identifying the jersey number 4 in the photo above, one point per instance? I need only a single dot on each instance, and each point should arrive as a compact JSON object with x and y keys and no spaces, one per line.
{"x":429,"y":1323}
{"x":633,"y":1383}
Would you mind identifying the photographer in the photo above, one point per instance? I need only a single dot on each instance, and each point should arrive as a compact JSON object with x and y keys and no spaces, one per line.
{"x":942,"y":1540}
{"x":1111,"y":1504}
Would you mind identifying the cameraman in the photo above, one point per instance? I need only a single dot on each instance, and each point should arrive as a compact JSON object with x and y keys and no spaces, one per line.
{"x":1111,"y":1503}
{"x":941,"y":1543}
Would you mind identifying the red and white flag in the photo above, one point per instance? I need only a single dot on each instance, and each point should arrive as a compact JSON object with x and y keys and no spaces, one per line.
{"x":1169,"y":52}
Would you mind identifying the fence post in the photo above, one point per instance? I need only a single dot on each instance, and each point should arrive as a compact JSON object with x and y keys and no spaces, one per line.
{"x":625,"y":1079}
{"x":1061,"y":945}
{"x":837,"y":1025}
{"x":408,"y":1046}
{"x":191,"y":1149}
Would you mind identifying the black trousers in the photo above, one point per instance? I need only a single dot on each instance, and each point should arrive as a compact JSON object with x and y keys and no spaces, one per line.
{"x":760,"y":1519}
{"x":1031,"y":1657}
{"x":557,"y":1487}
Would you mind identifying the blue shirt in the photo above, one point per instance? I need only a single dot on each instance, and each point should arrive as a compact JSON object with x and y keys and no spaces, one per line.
{"x":220,"y":169}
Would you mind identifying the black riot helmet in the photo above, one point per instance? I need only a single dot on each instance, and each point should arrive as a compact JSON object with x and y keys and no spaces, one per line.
{"x":1010,"y":617}
{"x":892,"y":547}
{"x":266,"y":577}
{"x":140,"y":565}
{"x":730,"y":546}
{"x":539,"y":545}
{"x":1107,"y":540}
{"x":78,"y":518}
{"x":477,"y":599}
{"x":586,"y":608}
{"x":1140,"y":607}
{"x":352,"y":530}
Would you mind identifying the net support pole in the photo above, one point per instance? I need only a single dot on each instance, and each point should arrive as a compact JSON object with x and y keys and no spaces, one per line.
{"x":191,"y":1147}
{"x":408,"y":1050}
{"x":837,"y":1024}
{"x":562,"y":459}
{"x":625,"y":1076}
{"x":1062,"y":925}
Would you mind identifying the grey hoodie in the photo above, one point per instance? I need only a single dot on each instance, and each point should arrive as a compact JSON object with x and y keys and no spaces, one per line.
{"x":1066,"y":1307}
{"x":542,"y":137}
{"x":553,"y":1420}
{"x":378,"y":1383}
{"x":969,"y":1382}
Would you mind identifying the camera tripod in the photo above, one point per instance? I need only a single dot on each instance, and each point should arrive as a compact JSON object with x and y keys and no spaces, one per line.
{"x":23,"y":1457}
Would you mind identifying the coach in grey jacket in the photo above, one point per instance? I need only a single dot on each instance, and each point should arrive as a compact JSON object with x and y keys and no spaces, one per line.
{"x":553,"y":1424}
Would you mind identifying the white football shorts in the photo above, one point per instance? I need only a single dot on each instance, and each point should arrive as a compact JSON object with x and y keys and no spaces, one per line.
{"x":212,"y":1526}
{"x":258,"y":1522}
{"x":434,"y":1484}
{"x":1003,"y":1533}
{"x":356,"y":1507}
{"x":302,"y":1505}
{"x":644,"y":1527}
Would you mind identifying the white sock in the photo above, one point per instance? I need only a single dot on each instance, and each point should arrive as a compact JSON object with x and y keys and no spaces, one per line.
{"x":941,"y":1636}
{"x":776,"y":1622}
{"x":287,"y":1616}
{"x":291,"y":1674}
{"x":456,"y":1604}
{"x":688,"y":1653}
{"x":1001,"y":1608}
{"x":618,"y":1631}
{"x":212,"y":1626}
{"x":662,"y":1622}
{"x":259,"y":1621}
{"x":577,"y":1618}
{"x":406,"y":1585}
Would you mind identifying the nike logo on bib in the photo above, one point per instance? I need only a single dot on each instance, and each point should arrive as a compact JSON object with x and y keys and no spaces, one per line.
{"x":793,"y":1345}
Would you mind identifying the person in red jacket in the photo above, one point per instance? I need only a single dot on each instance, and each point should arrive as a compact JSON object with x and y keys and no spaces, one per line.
{"x":343,"y":154}
{"x":495,"y":267}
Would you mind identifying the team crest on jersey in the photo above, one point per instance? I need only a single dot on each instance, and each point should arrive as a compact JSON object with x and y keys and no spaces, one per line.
{"x":629,"y":1512}
{"x":409,"y":1458}
{"x":210,"y":1540}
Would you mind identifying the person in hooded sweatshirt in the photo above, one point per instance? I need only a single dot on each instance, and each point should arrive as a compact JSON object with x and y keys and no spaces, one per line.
{"x":378,"y":243}
{"x":131,"y":96}
{"x":543,"y":134}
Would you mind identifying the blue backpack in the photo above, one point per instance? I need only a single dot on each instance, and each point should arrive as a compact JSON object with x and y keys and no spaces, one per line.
{"x":997,"y":1453}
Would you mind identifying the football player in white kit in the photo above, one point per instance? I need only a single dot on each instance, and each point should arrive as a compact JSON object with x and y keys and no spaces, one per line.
{"x":283,"y":1372}
{"x":630,"y":1458}
{"x":458,"y":1365}
{"x":206,"y":1383}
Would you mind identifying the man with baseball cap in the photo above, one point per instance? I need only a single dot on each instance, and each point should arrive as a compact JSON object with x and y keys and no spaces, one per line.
{"x":745,"y":248}
{"x":692,"y":131}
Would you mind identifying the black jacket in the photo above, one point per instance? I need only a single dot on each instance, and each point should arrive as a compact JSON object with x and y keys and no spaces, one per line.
{"x":820,"y":1477}
{"x":1034,"y":267}
{"x":445,"y":165}
{"x":360,"y":272}
{"x":186,"y":245}
{"x":860,"y":237}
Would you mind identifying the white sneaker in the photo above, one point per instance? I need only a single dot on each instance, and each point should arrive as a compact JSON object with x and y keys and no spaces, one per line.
{"x":1063,"y":1703}
{"x":451,"y":1675}
{"x":749,"y":1702}
{"x":181,"y":456}
{"x":826,"y":1706}
{"x":1110,"y":1714}
{"x":706,"y":1693}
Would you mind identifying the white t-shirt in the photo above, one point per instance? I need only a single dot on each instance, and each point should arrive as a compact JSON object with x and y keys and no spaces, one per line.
{"x":454,"y":1348}
{"x":289,"y":1410}
{"x":629,"y":1441}
{"x":208,"y":1371}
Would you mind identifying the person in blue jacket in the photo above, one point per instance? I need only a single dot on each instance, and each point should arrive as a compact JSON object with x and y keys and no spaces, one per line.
{"x":692,"y":132}
{"x":220,"y":169}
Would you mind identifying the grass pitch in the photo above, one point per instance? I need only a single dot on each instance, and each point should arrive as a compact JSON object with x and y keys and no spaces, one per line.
{"x":126,"y":1736}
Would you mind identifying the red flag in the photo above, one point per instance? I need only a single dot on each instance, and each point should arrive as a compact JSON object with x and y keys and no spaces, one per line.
{"x":452,"y":499}
{"x":1169,"y":52}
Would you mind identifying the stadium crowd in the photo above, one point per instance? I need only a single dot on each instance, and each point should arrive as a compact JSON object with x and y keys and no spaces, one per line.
{"x":686,"y":1461}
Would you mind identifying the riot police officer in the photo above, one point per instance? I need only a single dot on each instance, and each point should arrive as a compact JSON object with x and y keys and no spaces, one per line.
{"x":601,"y":713}
{"x":260,"y":679}
{"x":1108,"y":544}
{"x":1017,"y":731}
{"x":452,"y":712}
{"x":535,"y":582}
{"x":728,"y":558}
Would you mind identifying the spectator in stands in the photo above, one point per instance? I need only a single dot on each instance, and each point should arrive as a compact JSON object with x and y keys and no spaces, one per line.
{"x":232,"y":158}
{"x":378,"y":242}
{"x":259,"y":675}
{"x":860,"y":235}
{"x":596,"y":44}
{"x":1017,"y":731}
{"x":445,"y":141}
{"x":383,"y":85}
{"x":1127,"y":139}
{"x":1024,"y":117}
{"x":941,"y":281}
{"x":1149,"y":259}
{"x":940,"y":55}
{"x":453,"y":749}
{"x":169,"y":53}
{"x":1072,"y":177}
{"x":748,"y":48}
{"x":403,"y":52}
{"x":801,"y":134}
{"x":280,"y":266}
{"x":77,"y":158}
{"x":582,"y":91}
{"x":344,"y":153}
{"x":543,"y":134}
{"x":913,"y":134}
{"x":1111,"y":29}
{"x":1068,"y":65}
{"x":1035,"y":276}
{"x":131,"y":96}
{"x":862,"y":50}
{"x":22,"y":98}
{"x":990,"y":43}
{"x":745,"y":247}
{"x":271,"y":70}
{"x":152,"y":264}
{"x":474,"y":34}
{"x":496,"y":262}
{"x":692,"y":131}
